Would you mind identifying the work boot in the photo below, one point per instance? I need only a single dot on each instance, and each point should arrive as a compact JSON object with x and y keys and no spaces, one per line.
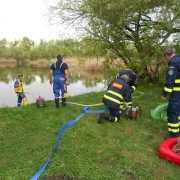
{"x":100,"y":119}
{"x":64,"y":102}
{"x":108,"y":117}
{"x":57,"y":102}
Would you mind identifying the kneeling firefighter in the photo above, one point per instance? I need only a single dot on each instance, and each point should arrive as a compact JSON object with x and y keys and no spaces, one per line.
{"x":118,"y":92}
{"x":18,"y":88}
{"x":59,"y":70}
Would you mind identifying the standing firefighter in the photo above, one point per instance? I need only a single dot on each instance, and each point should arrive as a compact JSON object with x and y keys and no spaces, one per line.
{"x":18,"y":88}
{"x":172,"y":87}
{"x":118,"y":92}
{"x":59,"y":70}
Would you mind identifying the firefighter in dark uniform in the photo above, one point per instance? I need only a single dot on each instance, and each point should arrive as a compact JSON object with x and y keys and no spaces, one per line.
{"x":172,"y":87}
{"x":133,"y":81}
{"x":118,"y":91}
{"x":18,"y":88}
{"x":59,"y":70}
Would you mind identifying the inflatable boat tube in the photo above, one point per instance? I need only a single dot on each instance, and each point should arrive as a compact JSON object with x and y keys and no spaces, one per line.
{"x":165,"y":151}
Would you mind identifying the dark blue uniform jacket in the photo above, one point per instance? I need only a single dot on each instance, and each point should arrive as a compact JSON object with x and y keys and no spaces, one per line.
{"x":172,"y":84}
{"x":118,"y":92}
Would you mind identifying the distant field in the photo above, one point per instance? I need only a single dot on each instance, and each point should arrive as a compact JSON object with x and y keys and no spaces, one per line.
{"x":90,"y":64}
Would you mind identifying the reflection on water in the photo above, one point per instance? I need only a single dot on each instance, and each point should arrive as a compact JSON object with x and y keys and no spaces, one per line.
{"x":36,"y":83}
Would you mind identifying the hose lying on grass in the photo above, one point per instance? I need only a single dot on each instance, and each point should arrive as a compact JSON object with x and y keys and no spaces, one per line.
{"x":160,"y":112}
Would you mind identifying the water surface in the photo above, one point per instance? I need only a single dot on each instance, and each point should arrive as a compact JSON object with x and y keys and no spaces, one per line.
{"x":36,"y":83}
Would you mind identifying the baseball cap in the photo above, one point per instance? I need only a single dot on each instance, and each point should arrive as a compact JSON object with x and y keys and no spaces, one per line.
{"x":20,"y":75}
{"x":132,"y":75}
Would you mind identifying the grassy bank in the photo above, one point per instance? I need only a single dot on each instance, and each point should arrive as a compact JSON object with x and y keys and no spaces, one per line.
{"x":88,"y":151}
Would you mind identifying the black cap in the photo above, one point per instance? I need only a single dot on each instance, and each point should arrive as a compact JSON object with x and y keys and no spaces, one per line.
{"x":132,"y":75}
{"x":59,"y":57}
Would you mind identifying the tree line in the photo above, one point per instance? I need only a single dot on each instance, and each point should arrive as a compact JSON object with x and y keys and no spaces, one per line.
{"x":133,"y":33}
{"x":127,"y":34}
{"x":26,"y":48}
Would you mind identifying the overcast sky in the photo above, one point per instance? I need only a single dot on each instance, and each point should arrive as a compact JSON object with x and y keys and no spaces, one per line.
{"x":20,"y":18}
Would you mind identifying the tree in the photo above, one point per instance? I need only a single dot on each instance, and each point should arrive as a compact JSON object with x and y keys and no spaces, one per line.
{"x":20,"y":49}
{"x":133,"y":32}
{"x":3,"y":47}
{"x":89,"y":49}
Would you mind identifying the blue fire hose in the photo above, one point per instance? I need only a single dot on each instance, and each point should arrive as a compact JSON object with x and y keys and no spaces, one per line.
{"x":85,"y":110}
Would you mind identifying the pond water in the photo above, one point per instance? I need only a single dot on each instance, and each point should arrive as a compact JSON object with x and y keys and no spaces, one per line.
{"x":36,"y":83}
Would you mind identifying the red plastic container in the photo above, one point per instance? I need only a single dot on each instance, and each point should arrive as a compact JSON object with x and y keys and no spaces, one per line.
{"x":165,"y":151}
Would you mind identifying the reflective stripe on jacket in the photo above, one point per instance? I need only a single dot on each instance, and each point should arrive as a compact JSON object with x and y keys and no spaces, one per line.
{"x":172,"y":84}
{"x":118,"y":92}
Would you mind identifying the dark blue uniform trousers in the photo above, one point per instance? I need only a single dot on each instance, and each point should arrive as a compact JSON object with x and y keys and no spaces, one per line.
{"x":173,"y":113}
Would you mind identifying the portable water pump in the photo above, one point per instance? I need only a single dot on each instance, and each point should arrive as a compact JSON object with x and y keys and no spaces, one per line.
{"x":133,"y":112}
{"x":40,"y":103}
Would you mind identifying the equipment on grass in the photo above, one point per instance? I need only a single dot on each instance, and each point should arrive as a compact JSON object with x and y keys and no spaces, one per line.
{"x":160,"y":112}
{"x":165,"y":150}
{"x":85,"y":110}
{"x":40,"y":102}
{"x":132,"y":112}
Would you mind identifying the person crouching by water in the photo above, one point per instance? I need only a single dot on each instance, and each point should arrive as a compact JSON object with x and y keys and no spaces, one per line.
{"x":59,"y":70}
{"x":118,"y":91}
{"x":18,"y":88}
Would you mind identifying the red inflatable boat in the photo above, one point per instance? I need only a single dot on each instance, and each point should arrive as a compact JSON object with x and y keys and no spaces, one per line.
{"x":165,"y":151}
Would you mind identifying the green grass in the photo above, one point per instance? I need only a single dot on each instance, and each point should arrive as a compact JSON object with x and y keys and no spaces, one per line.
{"x":88,"y":151}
